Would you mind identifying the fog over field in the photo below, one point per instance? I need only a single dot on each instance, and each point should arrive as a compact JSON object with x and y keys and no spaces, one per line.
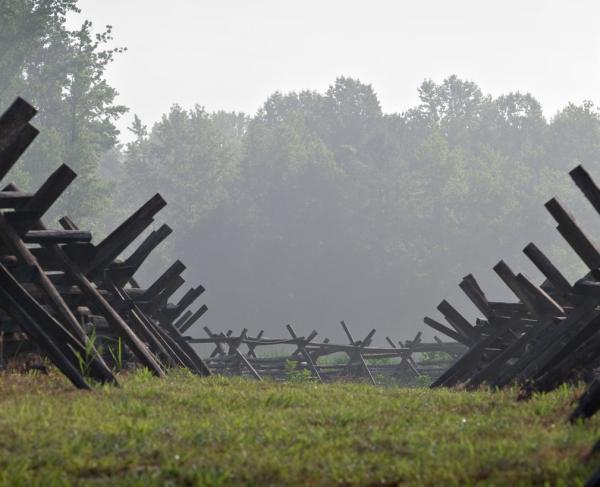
{"x":321,"y":160}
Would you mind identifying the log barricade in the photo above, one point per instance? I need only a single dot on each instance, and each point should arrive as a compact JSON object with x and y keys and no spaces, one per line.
{"x":323,"y":361}
{"x":75,"y":302}
{"x":549,"y":334}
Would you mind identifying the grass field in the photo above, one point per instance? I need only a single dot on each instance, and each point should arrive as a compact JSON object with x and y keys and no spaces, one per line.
{"x":217,"y":431}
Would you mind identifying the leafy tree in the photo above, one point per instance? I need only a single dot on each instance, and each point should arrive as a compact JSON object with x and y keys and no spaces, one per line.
{"x":62,"y":72}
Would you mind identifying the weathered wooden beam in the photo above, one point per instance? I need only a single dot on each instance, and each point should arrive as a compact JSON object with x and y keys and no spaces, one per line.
{"x":574,"y":236}
{"x":14,"y":199}
{"x":182,"y":319}
{"x":248,"y":365}
{"x":548,"y":269}
{"x":475,"y":294}
{"x":510,"y":279}
{"x":161,"y":301}
{"x":12,"y":121}
{"x":110,"y":248}
{"x":458,"y":321}
{"x":137,"y":258}
{"x":16,"y":134}
{"x":50,"y":191}
{"x":195,"y":317}
{"x":587,"y":186}
{"x":163,"y":281}
{"x":67,"y":223}
{"x":446,"y":331}
{"x":10,"y":152}
{"x":542,"y":298}
{"x":56,"y":236}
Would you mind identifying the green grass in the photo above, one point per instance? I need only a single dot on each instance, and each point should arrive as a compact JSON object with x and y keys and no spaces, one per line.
{"x":217,"y":431}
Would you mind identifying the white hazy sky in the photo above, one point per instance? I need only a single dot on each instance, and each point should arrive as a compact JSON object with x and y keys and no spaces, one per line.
{"x":232,"y":54}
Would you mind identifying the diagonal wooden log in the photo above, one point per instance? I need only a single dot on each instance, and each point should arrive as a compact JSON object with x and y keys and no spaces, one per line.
{"x":138,"y":257}
{"x":110,"y":248}
{"x":163,"y":281}
{"x":510,"y":279}
{"x":446,"y":331}
{"x":15,"y":118}
{"x":309,"y":361}
{"x":50,"y":191}
{"x":195,"y":317}
{"x":182,"y":319}
{"x":576,"y":238}
{"x":458,"y":321}
{"x":546,"y":267}
{"x":171,"y":313}
{"x":160,"y":302}
{"x":247,"y":364}
{"x":475,"y":294}
{"x":587,"y":186}
{"x":16,"y":134}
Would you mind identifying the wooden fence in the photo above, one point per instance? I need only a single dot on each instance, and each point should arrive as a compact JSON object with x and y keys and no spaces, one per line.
{"x":55,"y":284}
{"x":327,"y":361}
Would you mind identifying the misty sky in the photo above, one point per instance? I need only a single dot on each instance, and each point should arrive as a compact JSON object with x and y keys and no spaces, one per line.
{"x":232,"y":54}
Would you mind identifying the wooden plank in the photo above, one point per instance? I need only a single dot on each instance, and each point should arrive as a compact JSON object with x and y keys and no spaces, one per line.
{"x":163,"y":280}
{"x":12,"y":121}
{"x":473,"y":292}
{"x":43,"y":237}
{"x":446,"y":331}
{"x":195,"y":317}
{"x":137,"y":258}
{"x":50,"y":191}
{"x":587,"y":186}
{"x":510,"y":279}
{"x":548,"y":269}
{"x":109,"y":249}
{"x":575,"y":237}
{"x":14,"y":199}
{"x":182,"y":319}
{"x":248,"y":365}
{"x":540,"y":296}
{"x":458,"y":321}
{"x":10,"y":153}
